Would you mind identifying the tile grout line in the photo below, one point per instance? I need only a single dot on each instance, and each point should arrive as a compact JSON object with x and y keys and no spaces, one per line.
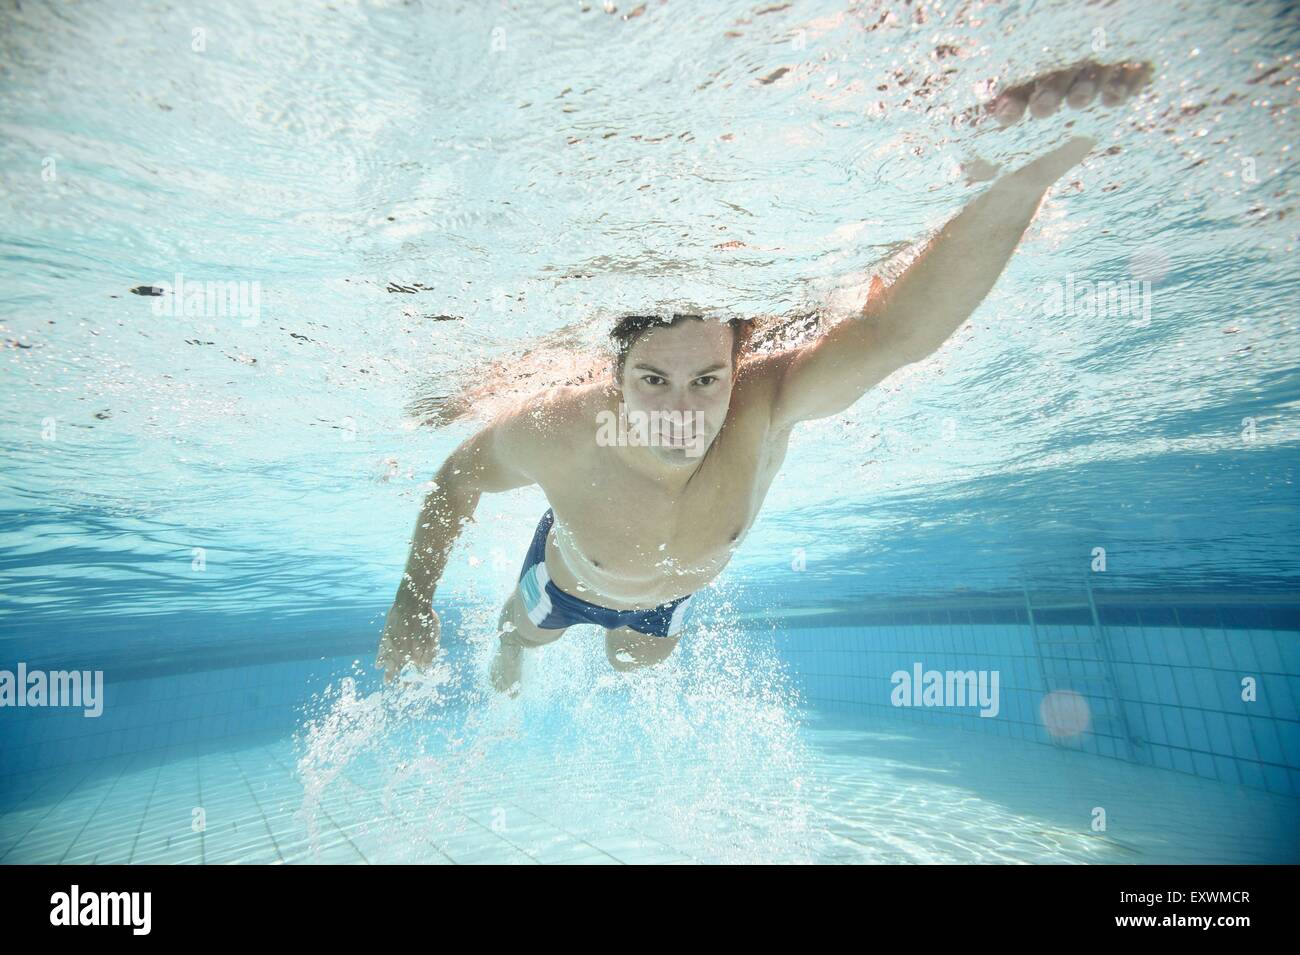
{"x":53,"y":807}
{"x":95,"y":811}
{"x":258,"y":804}
{"x":324,"y":811}
{"x":153,"y":788}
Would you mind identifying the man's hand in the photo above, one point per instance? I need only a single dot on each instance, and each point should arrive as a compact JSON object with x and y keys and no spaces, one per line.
{"x":410,"y":634}
{"x":1076,"y":86}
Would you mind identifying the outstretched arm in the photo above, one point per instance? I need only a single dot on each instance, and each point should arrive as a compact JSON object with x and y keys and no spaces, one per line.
{"x":486,"y":462}
{"x":495,"y":459}
{"x":926,"y":304}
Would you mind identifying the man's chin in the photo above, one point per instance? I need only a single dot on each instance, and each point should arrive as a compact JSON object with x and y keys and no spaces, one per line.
{"x":682,"y":455}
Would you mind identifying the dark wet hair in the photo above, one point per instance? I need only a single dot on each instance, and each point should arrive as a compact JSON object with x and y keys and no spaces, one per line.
{"x":628,"y":329}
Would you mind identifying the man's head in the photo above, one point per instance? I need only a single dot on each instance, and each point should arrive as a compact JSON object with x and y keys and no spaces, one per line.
{"x":678,"y":373}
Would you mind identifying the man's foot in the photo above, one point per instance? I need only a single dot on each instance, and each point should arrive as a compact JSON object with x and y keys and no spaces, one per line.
{"x":507,"y":667}
{"x":1077,"y":85}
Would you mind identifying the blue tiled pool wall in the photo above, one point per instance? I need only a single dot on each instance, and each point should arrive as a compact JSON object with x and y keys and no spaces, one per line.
{"x":1175,"y":694}
{"x":1178,"y":691}
{"x":169,"y":713}
{"x":173,"y":713}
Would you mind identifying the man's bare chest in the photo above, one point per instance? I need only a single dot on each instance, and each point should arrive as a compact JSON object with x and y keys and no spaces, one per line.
{"x":625,"y":524}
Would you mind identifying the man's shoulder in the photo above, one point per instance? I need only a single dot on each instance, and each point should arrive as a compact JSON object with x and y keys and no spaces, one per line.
{"x":758,"y":382}
{"x":764,"y":370}
{"x":557,"y":421}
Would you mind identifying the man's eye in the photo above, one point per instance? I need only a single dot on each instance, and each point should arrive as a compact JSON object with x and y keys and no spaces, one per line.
{"x":646,"y":379}
{"x":706,"y":379}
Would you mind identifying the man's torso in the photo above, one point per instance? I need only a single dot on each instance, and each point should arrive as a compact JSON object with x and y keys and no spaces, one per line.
{"x":624,"y":541}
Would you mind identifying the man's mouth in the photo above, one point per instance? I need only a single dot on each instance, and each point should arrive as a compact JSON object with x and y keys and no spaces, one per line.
{"x":675,"y":440}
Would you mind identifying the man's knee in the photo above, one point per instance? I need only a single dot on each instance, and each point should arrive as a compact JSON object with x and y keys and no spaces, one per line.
{"x":516,"y":628}
{"x":637,"y":650}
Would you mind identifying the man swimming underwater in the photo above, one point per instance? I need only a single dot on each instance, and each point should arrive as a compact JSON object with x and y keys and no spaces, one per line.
{"x":636,"y":527}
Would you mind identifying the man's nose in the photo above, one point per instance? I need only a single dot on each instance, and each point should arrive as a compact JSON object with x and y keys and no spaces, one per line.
{"x":685,"y":398}
{"x":682,"y":402}
{"x":685,"y":414}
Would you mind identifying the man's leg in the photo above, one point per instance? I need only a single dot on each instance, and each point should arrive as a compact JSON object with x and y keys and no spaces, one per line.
{"x":516,"y":633}
{"x":629,"y":649}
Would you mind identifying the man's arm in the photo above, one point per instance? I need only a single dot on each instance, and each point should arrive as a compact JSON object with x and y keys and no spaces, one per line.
{"x":493,"y":460}
{"x":482,"y":463}
{"x":929,"y":301}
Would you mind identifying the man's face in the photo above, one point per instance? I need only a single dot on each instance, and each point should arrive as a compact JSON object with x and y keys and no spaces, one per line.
{"x":680,"y":377}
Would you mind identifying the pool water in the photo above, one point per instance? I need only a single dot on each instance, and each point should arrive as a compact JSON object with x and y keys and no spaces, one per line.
{"x":888,"y":794}
{"x":406,"y":211}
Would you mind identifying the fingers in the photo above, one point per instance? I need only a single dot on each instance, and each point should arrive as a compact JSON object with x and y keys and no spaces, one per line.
{"x":1114,"y":87}
{"x":1138,"y":75}
{"x":1123,"y":80}
{"x":975,"y":170}
{"x":422,"y":655}
{"x":386,"y":658}
{"x":1049,"y":92}
{"x":388,"y":665}
{"x":392,"y":660}
{"x":407,"y":638}
{"x":1084,"y":88}
{"x":1079,"y":86}
{"x":1072,"y":153}
{"x":392,"y":666}
{"x":1042,"y":97}
{"x":1010,"y":105}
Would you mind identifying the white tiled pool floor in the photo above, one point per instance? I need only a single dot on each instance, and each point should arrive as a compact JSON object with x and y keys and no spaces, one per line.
{"x":894,"y":792}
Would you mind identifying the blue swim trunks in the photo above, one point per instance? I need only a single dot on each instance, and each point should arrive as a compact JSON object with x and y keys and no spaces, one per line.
{"x":550,"y":608}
